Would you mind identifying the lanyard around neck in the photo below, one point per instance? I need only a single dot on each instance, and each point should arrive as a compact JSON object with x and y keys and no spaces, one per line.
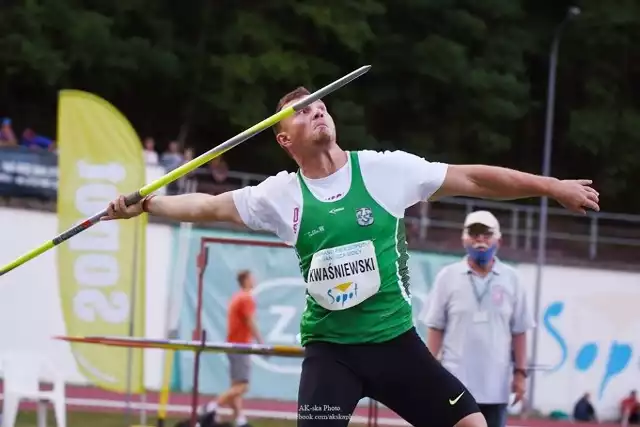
{"x":487,"y":285}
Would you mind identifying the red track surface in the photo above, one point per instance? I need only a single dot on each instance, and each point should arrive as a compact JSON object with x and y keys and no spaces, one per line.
{"x":183,"y":399}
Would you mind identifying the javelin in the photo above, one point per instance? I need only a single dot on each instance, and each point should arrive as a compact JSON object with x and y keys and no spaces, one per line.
{"x":184,"y":345}
{"x":177,"y":173}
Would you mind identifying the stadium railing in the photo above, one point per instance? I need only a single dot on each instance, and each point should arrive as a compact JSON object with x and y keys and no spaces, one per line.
{"x":29,"y":179}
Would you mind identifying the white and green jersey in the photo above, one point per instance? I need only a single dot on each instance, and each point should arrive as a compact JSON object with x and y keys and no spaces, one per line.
{"x":348,"y":232}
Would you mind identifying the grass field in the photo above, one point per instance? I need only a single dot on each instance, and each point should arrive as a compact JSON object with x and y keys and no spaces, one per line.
{"x":94,"y":419}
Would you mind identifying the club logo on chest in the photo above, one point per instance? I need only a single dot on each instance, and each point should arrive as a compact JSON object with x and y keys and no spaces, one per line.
{"x":364,"y":217}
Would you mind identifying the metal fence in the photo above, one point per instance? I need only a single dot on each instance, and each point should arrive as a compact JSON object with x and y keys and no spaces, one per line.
{"x":597,"y":237}
{"x":604,"y":237}
{"x":30,"y":178}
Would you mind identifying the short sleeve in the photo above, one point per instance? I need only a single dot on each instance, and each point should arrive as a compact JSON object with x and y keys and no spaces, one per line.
{"x":436,"y":314}
{"x":268,"y":206}
{"x":399,"y":180}
{"x":247,"y":306}
{"x":421,"y":178}
{"x":522,"y":318}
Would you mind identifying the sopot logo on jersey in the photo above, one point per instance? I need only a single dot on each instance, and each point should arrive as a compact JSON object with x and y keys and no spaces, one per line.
{"x":343,"y":292}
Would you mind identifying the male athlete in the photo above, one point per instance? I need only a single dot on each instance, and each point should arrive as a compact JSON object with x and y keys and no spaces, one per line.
{"x":343,"y":213}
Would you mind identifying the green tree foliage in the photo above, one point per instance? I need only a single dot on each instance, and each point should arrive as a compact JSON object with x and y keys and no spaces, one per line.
{"x":452,"y":80}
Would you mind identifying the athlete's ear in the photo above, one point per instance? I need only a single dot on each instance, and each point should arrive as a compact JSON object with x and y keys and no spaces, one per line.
{"x":284,"y":140}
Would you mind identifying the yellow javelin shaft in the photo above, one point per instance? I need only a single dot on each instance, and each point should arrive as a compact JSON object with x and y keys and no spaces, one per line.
{"x":190,"y":166}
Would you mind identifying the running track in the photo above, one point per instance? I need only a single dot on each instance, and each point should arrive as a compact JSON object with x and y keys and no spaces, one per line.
{"x":94,"y":399}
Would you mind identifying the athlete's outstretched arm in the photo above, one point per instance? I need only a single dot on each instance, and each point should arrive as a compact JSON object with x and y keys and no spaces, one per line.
{"x":493,"y":182}
{"x":194,"y":207}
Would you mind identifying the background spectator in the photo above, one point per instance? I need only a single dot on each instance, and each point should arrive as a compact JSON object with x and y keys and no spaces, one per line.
{"x":7,"y":136}
{"x":584,"y":410}
{"x":630,"y":409}
{"x":32,"y":140}
{"x":172,"y":158}
{"x":219,"y":170}
{"x":188,"y":155}
{"x":150,"y":153}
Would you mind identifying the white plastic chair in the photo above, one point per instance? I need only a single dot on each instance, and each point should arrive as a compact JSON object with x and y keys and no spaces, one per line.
{"x":22,"y":374}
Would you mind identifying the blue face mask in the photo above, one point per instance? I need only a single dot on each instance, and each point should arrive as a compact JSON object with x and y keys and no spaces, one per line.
{"x":482,"y":257}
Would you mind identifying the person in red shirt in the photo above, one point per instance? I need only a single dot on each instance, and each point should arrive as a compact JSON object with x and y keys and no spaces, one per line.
{"x":241,"y":328}
{"x":630,"y":409}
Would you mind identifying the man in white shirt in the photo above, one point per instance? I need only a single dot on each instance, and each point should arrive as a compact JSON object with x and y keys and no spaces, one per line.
{"x":478,"y":317}
{"x":343,"y":213}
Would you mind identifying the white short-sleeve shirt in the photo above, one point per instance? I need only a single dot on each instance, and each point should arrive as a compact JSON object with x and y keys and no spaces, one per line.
{"x":395,"y":179}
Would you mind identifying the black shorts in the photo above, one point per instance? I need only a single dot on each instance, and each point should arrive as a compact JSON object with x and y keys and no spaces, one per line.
{"x":401,"y":374}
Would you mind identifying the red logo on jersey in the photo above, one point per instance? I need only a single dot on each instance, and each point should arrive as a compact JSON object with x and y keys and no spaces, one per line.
{"x":334,"y":197}
{"x":296,"y":213}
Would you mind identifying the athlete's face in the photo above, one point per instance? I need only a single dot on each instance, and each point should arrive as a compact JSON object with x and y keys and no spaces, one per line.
{"x":308,"y":129}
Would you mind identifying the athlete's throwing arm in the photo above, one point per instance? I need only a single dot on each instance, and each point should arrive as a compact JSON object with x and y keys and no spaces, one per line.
{"x":481,"y":181}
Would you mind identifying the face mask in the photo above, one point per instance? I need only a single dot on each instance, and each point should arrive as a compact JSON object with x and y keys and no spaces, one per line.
{"x":480,"y":255}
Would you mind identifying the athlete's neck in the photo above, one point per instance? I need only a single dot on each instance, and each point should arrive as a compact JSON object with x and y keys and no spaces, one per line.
{"x":323,"y":163}
{"x":480,"y":270}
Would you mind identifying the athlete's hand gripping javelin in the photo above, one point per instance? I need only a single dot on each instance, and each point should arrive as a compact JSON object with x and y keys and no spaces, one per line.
{"x":117,"y":209}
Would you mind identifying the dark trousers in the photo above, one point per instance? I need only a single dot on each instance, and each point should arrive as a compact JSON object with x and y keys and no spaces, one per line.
{"x":495,"y":414}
